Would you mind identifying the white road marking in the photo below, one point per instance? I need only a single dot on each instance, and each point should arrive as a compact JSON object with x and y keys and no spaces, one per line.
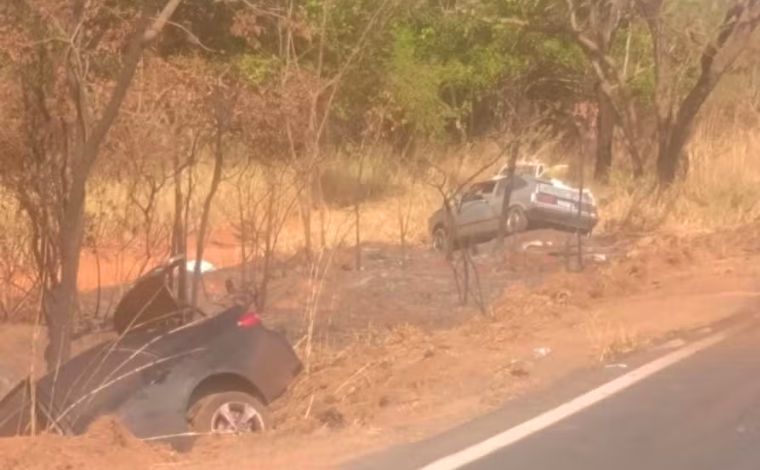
{"x":551,"y":417}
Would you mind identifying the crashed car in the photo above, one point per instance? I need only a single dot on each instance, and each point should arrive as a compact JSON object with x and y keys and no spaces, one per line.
{"x":173,"y":372}
{"x":534,"y":202}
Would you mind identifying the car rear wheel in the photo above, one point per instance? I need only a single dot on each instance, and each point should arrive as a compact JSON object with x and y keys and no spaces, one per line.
{"x":440,"y":239}
{"x":516,"y":220}
{"x":228,"y":412}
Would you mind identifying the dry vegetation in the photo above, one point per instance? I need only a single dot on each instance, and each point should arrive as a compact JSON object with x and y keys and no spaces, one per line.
{"x":396,"y":383}
{"x":258,"y":146}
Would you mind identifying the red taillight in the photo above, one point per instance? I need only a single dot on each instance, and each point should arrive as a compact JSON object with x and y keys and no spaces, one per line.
{"x":249,"y":320}
{"x":546,"y":198}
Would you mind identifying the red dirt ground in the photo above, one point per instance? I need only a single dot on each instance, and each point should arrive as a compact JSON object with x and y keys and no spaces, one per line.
{"x":394,"y":361}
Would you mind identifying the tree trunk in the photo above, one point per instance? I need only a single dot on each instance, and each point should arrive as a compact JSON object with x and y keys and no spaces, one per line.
{"x":179,"y":242}
{"x":200,"y":243}
{"x":357,"y":215}
{"x":269,"y":246}
{"x":605,"y":128}
{"x":319,"y":198}
{"x":304,"y":204}
{"x":60,"y":301}
{"x":674,"y":136}
{"x":675,"y":130}
{"x":507,"y":196}
{"x":605,"y":19}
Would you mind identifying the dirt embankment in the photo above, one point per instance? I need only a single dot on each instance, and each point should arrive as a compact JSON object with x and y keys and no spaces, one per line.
{"x":409,"y":379}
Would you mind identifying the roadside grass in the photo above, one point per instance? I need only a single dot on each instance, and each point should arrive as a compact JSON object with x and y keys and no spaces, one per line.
{"x":610,"y":341}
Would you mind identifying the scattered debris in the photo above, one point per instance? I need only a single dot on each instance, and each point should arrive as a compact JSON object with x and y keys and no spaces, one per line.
{"x":542,"y":352}
{"x":535,"y":244}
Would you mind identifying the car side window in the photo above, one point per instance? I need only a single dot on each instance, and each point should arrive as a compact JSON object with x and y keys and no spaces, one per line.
{"x":469,"y":197}
{"x":519,"y":183}
{"x":478,"y":190}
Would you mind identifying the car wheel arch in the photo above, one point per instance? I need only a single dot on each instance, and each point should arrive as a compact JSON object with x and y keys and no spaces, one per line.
{"x":224,"y":382}
{"x":519,"y":210}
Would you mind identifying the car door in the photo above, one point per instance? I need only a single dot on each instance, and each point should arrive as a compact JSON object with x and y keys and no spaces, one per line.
{"x":521,"y":191}
{"x":474,"y":213}
{"x":97,"y":381}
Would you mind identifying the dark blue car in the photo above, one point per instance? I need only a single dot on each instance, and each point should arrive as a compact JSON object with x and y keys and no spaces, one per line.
{"x":172,"y":373}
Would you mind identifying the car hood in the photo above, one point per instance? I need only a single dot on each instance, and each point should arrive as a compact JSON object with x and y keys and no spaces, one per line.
{"x":149,"y":300}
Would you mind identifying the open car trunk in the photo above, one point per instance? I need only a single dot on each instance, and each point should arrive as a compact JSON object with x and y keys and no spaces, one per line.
{"x":150,"y":302}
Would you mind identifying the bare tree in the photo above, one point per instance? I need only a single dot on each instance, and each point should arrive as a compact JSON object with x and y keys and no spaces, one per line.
{"x":223,"y":109}
{"x":72,"y":148}
{"x":320,"y":88}
{"x":265,"y":201}
{"x":370,"y":138}
{"x":593,"y":25}
{"x":467,"y":280}
{"x":523,"y":131}
{"x":676,"y":118}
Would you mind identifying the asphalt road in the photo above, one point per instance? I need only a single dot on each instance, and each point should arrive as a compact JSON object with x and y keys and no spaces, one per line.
{"x":702,"y":412}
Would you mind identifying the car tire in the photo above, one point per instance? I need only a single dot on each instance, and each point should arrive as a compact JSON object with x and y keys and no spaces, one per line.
{"x":517,"y":221}
{"x":228,"y":412}
{"x":441,"y":239}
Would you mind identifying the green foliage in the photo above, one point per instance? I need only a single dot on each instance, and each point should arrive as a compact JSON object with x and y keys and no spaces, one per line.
{"x":633,"y":46}
{"x":561,"y":53}
{"x":438,"y":69}
{"x":258,"y":69}
{"x":415,"y":85}
{"x":443,"y":65}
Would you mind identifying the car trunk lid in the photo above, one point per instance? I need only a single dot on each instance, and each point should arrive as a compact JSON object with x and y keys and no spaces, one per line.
{"x":148,"y":302}
{"x":564,"y":196}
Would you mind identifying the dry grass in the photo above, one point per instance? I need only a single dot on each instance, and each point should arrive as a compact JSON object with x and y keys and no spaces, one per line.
{"x":609,"y":341}
{"x":722,"y":189}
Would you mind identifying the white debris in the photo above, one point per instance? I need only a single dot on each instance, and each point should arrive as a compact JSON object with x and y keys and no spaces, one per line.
{"x":206,"y":267}
{"x":616,"y":366}
{"x":533,"y":244}
{"x":542,"y":352}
